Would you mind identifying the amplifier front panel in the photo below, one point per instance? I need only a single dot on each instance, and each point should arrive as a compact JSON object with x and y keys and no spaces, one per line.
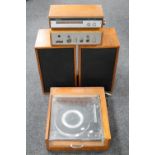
{"x":56,"y":67}
{"x":76,"y":23}
{"x":97,"y":67}
{"x":77,"y":38}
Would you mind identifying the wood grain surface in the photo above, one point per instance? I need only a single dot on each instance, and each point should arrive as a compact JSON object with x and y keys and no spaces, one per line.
{"x":76,"y":11}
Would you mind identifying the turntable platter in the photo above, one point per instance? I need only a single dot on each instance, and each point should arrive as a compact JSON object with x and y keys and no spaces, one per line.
{"x":72,"y":122}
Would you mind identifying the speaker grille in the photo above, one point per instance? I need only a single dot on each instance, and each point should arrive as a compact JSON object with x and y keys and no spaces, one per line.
{"x":97,"y":67}
{"x":57,"y":67}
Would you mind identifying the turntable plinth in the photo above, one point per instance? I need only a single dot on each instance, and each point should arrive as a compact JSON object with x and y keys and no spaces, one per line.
{"x":77,"y":119}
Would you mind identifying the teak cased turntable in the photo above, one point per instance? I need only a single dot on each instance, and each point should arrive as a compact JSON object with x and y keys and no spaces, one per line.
{"x":77,"y":119}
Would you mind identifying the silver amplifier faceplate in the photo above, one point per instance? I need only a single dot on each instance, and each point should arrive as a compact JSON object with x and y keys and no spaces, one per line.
{"x":78,"y":38}
{"x":76,"y":23}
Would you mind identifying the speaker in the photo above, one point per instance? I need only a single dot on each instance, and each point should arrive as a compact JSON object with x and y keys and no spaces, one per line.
{"x":56,"y":64}
{"x":97,"y":64}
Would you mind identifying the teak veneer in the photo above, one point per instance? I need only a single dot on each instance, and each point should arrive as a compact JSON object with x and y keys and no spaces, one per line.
{"x":76,"y":11}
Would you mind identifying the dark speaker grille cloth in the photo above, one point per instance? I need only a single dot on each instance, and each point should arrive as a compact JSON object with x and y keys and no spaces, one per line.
{"x":97,"y":66}
{"x":57,"y":67}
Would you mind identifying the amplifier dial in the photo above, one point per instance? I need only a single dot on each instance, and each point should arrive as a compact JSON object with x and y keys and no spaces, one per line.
{"x":94,"y":24}
{"x":88,"y":24}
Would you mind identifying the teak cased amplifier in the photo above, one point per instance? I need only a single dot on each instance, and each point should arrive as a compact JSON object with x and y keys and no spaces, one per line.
{"x":77,"y":119}
{"x":76,"y":36}
{"x":76,"y":16}
{"x":56,"y":64}
{"x":97,"y":64}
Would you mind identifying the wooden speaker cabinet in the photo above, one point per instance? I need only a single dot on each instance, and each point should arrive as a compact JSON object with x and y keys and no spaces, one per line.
{"x":56,"y":64}
{"x":77,"y":119}
{"x":97,"y":64}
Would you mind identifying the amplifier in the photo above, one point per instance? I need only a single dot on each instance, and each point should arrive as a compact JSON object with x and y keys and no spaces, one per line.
{"x":76,"y":36}
{"x":97,"y":64}
{"x":56,"y":65}
{"x":76,"y":16}
{"x":77,"y":119}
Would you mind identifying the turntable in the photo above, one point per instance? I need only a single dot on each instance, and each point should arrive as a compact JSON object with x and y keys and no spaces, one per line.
{"x":77,"y":119}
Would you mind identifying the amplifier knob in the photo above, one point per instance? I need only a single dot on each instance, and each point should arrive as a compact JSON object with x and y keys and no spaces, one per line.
{"x":94,"y":24}
{"x":87,"y":40}
{"x":88,"y":24}
{"x":81,"y":40}
{"x":69,"y":40}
